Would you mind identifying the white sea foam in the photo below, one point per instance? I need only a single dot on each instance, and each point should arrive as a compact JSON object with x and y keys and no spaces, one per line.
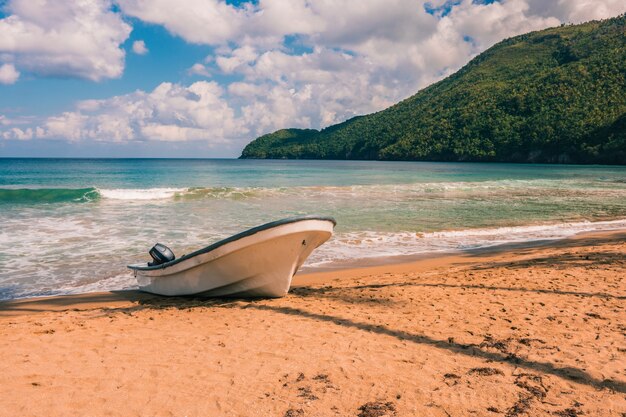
{"x":390,"y":191}
{"x":123,"y":281}
{"x":369,"y":244}
{"x":478,"y":238}
{"x":141,"y":194}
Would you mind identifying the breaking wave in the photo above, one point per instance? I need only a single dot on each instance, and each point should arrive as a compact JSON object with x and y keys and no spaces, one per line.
{"x":47,"y":195}
{"x":392,"y":191}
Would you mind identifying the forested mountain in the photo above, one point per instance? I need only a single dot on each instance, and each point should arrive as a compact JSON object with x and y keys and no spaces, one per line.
{"x":556,"y":95}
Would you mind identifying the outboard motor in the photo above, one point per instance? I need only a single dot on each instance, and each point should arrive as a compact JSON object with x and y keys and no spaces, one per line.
{"x":161,"y":254}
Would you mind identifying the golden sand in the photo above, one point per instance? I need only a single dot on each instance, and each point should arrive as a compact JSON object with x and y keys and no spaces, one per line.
{"x":516,"y":332}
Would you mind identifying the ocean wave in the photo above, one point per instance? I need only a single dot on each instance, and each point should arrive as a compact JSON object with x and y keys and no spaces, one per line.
{"x":382,"y":191}
{"x":511,"y":187}
{"x":47,"y":195}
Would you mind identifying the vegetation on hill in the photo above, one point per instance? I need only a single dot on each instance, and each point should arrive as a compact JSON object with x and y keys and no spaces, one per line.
{"x":554,"y":96}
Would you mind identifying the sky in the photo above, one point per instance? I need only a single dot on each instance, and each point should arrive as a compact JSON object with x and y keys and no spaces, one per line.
{"x":202,"y":78}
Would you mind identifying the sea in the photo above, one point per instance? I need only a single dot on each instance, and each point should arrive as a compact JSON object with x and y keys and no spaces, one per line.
{"x":71,"y":226}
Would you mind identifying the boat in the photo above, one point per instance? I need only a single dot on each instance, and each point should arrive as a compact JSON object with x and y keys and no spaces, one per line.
{"x":259,"y":262}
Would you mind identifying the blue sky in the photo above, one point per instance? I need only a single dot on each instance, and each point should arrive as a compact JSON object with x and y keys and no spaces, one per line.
{"x":201,"y":78}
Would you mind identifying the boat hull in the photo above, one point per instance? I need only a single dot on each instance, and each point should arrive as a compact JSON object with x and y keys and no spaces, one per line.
{"x":260,"y":264}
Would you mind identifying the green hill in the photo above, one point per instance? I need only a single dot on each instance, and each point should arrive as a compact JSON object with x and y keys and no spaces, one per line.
{"x":556,"y":96}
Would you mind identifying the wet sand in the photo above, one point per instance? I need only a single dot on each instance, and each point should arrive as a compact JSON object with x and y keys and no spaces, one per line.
{"x":516,"y":331}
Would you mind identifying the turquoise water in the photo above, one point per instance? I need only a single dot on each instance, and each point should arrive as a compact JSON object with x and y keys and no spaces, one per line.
{"x":71,"y":225}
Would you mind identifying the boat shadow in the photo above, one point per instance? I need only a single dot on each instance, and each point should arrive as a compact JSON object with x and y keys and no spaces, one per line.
{"x":134,"y":300}
{"x":122,"y":300}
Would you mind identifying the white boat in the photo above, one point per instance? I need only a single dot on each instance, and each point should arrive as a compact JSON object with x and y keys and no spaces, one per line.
{"x":259,"y":262}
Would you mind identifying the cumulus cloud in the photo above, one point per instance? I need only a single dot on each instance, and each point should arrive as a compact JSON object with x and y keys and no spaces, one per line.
{"x":8,"y":74}
{"x":12,"y":129}
{"x":197,"y":21}
{"x":170,"y":112}
{"x":577,"y":11}
{"x":487,"y":24}
{"x":312,"y":89}
{"x":18,"y":134}
{"x":139,"y":47}
{"x":236,"y":59}
{"x":199,"y":69}
{"x":64,"y":38}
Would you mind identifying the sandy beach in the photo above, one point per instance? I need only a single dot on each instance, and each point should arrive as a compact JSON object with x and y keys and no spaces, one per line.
{"x":516,"y":331}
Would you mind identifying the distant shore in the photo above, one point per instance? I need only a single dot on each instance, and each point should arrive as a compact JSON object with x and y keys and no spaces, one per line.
{"x":510,"y":330}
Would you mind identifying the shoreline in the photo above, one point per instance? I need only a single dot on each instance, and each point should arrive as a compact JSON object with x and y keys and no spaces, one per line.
{"x":511,"y":332}
{"x":346,"y":270}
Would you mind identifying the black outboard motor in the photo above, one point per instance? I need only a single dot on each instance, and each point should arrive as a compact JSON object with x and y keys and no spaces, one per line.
{"x":161,"y":254}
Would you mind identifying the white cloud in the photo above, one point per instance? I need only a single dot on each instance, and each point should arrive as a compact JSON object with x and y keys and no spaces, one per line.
{"x":16,"y":121}
{"x":25,"y":134}
{"x":170,"y":112}
{"x":577,"y":11}
{"x":68,"y":125}
{"x":8,"y":74}
{"x":18,"y":134}
{"x":489,"y":23}
{"x":199,"y":69}
{"x":139,"y":47}
{"x":272,"y":19}
{"x":236,"y":59}
{"x":64,"y":38}
{"x":313,"y":89}
{"x":197,"y":21}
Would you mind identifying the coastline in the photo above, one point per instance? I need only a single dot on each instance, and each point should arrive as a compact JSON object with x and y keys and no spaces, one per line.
{"x":365,"y":267}
{"x":521,"y":328}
